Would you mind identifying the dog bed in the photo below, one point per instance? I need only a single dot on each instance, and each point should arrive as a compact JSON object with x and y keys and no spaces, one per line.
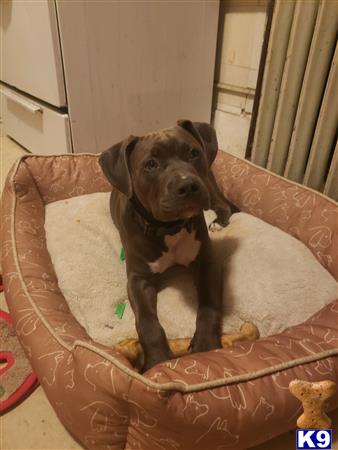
{"x":234,"y":397}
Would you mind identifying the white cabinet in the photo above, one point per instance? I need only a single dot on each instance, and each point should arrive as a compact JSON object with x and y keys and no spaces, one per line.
{"x":112,"y":68}
{"x":30,"y":47}
{"x":39,"y":128}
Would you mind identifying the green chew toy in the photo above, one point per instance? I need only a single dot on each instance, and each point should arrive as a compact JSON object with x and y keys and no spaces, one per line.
{"x":120,"y":310}
{"x":122,"y":255}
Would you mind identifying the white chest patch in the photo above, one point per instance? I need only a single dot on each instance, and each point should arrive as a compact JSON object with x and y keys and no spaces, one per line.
{"x":183,"y":247}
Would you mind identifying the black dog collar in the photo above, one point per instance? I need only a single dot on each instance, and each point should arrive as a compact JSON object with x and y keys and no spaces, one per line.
{"x":153,"y":227}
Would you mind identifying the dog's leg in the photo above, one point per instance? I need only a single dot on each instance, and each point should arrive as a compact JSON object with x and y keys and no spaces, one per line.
{"x":143,"y":299}
{"x":209,"y":315}
{"x":218,"y":203}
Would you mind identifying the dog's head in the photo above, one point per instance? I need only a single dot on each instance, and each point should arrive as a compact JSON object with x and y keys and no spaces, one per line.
{"x":166,"y":170}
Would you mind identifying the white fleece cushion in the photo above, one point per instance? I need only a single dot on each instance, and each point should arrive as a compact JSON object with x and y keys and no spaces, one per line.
{"x":270,"y":278}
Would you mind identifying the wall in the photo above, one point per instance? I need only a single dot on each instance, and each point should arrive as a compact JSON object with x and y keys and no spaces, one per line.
{"x":240,"y":39}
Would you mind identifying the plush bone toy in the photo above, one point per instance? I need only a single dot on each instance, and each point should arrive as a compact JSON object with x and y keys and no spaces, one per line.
{"x":313,"y":397}
{"x":132,"y":349}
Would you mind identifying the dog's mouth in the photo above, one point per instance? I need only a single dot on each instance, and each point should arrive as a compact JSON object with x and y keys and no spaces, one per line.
{"x":184,"y":211}
{"x":189,"y":211}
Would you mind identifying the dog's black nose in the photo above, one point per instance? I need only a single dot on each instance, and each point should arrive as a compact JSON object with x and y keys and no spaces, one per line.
{"x":187,"y":187}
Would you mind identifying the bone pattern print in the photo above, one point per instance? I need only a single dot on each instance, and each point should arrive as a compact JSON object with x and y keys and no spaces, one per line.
{"x":98,"y":400}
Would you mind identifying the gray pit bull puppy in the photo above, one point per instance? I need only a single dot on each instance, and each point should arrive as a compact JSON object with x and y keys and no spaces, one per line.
{"x":161,"y":184}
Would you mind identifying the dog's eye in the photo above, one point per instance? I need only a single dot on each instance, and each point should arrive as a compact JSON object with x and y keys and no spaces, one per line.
{"x":194,"y":153}
{"x":151,"y":164}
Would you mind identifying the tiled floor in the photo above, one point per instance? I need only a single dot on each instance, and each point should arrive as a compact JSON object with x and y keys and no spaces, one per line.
{"x":33,"y":424}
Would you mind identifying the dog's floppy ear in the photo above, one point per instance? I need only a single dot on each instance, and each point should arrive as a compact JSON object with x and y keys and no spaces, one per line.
{"x":204,"y":134}
{"x":114,"y":163}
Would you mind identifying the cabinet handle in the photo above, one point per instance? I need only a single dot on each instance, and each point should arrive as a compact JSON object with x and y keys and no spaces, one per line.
{"x":30,"y":106}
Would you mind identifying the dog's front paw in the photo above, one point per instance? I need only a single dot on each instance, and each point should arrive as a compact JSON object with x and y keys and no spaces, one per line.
{"x":216,"y":226}
{"x":204,"y":343}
